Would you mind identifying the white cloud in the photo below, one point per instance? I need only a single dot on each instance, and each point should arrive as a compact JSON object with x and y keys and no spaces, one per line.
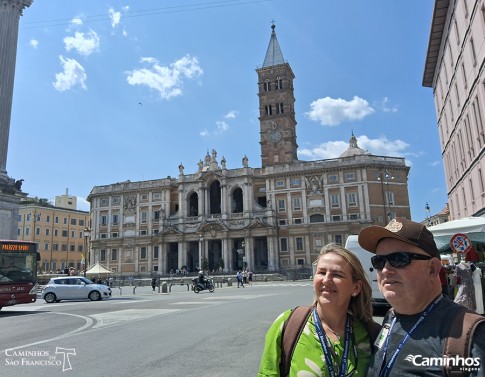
{"x":380,"y":147}
{"x":221,"y":127}
{"x":231,"y":114}
{"x":85,"y":45}
{"x":331,"y":149}
{"x":76,"y":21}
{"x":166,"y":80}
{"x":34,"y":43}
{"x":383,"y":105}
{"x":434,"y":163}
{"x":73,"y":74}
{"x":115,"y":17}
{"x":83,"y":204}
{"x":204,"y":133}
{"x":331,"y":112}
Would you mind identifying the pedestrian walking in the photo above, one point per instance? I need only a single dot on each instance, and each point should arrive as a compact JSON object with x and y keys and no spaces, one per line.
{"x":239,"y":277}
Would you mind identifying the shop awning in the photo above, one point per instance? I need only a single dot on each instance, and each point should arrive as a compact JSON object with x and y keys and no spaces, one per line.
{"x":473,"y":227}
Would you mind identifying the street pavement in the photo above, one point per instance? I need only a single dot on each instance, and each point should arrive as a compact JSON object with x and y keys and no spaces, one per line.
{"x":146,"y":333}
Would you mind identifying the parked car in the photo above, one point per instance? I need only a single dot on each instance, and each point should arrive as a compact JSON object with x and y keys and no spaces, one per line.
{"x":74,"y":288}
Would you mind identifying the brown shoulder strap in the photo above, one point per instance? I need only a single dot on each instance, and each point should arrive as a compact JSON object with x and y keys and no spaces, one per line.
{"x":459,"y":339}
{"x":292,"y":329}
{"x":373,"y":329}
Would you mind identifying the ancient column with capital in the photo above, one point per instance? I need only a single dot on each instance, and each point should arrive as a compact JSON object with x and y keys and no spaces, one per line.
{"x":10,"y":12}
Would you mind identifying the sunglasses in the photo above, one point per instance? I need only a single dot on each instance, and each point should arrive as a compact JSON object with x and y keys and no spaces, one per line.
{"x":399,"y":259}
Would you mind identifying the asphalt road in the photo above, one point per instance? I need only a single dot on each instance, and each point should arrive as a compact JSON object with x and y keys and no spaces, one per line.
{"x":146,"y":334}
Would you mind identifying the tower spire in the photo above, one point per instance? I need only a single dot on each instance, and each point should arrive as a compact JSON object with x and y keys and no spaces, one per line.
{"x":274,"y":56}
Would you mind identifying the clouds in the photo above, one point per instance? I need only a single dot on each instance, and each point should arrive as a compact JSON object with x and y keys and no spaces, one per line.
{"x":221,"y":125}
{"x":333,"y":149}
{"x":114,"y":16}
{"x":73,"y":74}
{"x":332,"y":112}
{"x":167,"y":81}
{"x":84,"y":44}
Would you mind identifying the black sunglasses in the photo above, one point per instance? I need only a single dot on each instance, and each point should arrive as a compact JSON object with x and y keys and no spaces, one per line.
{"x":399,"y":259}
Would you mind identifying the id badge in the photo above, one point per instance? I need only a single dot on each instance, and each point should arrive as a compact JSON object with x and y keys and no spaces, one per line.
{"x":382,"y":336}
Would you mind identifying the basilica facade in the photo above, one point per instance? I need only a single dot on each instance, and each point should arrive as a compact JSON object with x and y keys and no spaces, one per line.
{"x":269,"y":218}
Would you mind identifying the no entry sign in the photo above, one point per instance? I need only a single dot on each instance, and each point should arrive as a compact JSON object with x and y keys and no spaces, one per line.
{"x":460,"y":243}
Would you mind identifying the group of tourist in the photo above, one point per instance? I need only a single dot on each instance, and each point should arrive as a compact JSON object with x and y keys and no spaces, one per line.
{"x":337,"y":337}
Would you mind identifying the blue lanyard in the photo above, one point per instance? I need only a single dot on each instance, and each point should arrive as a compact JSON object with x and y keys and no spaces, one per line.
{"x":328,"y":350}
{"x":386,"y":370}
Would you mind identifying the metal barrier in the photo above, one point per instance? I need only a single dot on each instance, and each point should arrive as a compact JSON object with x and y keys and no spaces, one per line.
{"x":181,"y":282}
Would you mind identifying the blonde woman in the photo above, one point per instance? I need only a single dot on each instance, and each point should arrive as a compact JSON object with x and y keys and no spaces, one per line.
{"x":335,"y":340}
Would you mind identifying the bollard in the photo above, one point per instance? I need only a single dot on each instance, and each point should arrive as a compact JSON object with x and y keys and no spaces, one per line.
{"x":121,"y":291}
{"x":164,"y":287}
{"x":229,"y":282}
{"x":134,"y":289}
{"x":265,"y":279}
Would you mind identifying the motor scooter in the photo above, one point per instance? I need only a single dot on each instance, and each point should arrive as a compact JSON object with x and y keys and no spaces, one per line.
{"x":197,"y":286}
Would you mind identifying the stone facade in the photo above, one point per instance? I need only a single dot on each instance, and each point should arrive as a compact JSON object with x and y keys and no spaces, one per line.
{"x":58,"y":231}
{"x":455,"y":69}
{"x":265,"y":219}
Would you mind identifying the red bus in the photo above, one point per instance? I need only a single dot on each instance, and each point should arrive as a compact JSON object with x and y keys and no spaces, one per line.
{"x":18,"y":272}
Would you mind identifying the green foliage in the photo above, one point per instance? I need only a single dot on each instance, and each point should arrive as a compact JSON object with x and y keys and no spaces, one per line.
{"x":205,"y":264}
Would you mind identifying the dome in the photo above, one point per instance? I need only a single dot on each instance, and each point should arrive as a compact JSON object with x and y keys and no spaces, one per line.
{"x":353,"y":149}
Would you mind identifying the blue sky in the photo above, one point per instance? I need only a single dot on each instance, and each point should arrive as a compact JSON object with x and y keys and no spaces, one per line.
{"x":107,"y":91}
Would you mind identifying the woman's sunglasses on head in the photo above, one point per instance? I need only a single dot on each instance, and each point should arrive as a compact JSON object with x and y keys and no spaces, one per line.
{"x":398,"y":259}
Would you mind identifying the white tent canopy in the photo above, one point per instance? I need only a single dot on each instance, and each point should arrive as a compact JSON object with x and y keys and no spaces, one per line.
{"x":98,"y":269}
{"x":473,"y":227}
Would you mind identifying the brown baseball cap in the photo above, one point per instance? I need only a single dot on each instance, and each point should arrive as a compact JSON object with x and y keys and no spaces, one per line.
{"x":400,"y":229}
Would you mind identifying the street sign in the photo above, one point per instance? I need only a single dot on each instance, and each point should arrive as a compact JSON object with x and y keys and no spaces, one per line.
{"x":460,"y":243}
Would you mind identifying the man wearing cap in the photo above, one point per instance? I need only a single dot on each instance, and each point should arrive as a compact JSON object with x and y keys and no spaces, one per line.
{"x":414,"y":330}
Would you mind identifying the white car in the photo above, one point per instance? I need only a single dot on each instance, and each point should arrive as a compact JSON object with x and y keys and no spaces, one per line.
{"x":74,"y":288}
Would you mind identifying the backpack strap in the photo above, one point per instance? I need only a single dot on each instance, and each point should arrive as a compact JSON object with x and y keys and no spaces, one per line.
{"x":459,"y":339}
{"x":292,"y":329}
{"x":373,"y":329}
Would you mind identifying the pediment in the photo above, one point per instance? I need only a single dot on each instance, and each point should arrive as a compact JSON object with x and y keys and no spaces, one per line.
{"x":212,"y":228}
{"x":170,"y":229}
{"x":258,"y":222}
{"x":209,"y":176}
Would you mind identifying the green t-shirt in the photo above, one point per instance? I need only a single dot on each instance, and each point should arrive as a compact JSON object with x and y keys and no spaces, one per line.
{"x":308,"y":359}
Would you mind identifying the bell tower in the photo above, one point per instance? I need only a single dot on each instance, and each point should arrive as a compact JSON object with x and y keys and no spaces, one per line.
{"x":276,"y":107}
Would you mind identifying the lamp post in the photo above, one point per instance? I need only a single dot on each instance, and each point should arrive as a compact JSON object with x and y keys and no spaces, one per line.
{"x":385,"y":176}
{"x":87,"y":235}
{"x":427,"y":213}
{"x":201,"y":239}
{"x":243,"y":253}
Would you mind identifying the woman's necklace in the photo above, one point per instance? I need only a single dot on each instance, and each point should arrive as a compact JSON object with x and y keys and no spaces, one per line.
{"x":338,"y":334}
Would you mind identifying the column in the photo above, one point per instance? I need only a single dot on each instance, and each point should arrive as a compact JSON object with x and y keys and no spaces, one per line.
{"x":273,"y":257}
{"x":201,"y":201}
{"x":182,"y":252}
{"x":226,"y":254}
{"x":9,"y":30}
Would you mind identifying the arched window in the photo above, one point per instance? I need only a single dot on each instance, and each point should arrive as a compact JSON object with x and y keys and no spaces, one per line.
{"x":193,"y":209}
{"x":215,"y":197}
{"x":237,"y":201}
